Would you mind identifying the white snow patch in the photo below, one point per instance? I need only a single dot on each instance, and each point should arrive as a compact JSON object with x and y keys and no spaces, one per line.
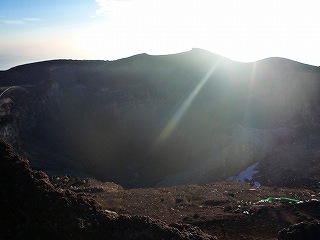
{"x":246,"y":175}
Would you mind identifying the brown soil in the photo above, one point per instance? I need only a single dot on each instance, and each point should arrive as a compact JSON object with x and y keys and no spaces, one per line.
{"x":32,"y":208}
{"x":228,"y":210}
{"x":36,"y":207}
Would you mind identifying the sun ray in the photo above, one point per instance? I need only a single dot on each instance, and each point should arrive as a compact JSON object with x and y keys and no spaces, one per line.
{"x":249,"y":101}
{"x":172,"y":124}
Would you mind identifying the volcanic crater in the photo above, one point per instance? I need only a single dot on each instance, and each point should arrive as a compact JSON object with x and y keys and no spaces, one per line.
{"x":159,"y":136}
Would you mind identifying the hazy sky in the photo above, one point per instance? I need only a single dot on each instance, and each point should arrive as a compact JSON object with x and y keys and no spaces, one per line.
{"x":243,"y":30}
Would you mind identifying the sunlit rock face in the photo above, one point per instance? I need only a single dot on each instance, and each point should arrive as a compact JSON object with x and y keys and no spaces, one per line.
{"x":190,"y":117}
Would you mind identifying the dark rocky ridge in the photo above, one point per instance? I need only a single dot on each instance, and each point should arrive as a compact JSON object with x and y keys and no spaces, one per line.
{"x":304,"y":230}
{"x":31,"y":208}
{"x":132,"y":121}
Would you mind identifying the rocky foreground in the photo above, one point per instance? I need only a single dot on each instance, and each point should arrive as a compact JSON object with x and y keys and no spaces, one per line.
{"x":36,"y":207}
{"x":32,"y":208}
{"x":228,"y":210}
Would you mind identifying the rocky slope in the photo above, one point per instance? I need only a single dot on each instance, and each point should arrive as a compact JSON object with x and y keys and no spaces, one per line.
{"x":227,"y":210}
{"x":159,"y":121}
{"x":193,"y":117}
{"x":36,"y":207}
{"x":32,"y":208}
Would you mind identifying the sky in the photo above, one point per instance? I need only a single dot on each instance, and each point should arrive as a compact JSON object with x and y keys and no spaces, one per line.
{"x":242,"y":30}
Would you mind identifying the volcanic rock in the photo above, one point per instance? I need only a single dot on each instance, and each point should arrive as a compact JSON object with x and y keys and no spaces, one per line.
{"x":300,"y":231}
{"x":145,"y":121}
{"x":32,"y":208}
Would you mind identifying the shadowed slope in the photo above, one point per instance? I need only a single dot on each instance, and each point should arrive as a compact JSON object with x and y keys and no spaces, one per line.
{"x":193,"y":117}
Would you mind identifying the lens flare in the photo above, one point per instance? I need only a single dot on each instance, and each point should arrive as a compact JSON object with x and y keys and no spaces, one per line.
{"x":172,"y":124}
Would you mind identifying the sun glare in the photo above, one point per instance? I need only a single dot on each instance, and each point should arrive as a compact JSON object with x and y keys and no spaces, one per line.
{"x":244,"y":30}
{"x":172,"y":124}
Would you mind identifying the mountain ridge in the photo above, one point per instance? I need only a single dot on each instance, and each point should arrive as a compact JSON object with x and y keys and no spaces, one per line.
{"x":170,"y":130}
{"x":195,"y":99}
{"x":193,"y":51}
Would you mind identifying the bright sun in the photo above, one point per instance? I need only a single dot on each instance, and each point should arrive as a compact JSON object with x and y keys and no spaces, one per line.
{"x":241,"y":30}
